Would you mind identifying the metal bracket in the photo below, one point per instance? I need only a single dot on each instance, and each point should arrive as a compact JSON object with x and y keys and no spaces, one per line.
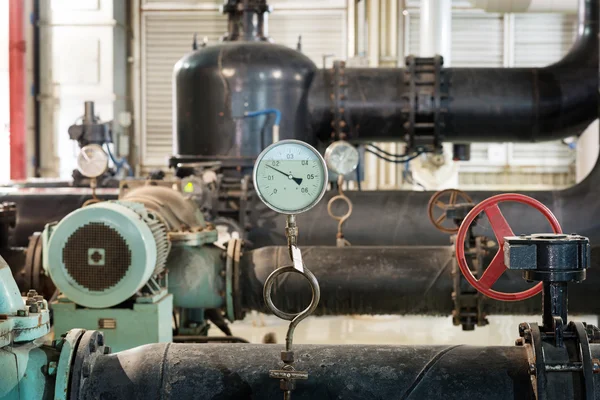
{"x":426,"y":103}
{"x":339,"y":87}
{"x":469,"y":303}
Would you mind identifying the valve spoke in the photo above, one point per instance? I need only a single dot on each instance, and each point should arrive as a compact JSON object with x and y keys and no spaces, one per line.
{"x":440,"y":219}
{"x":494,"y":270}
{"x":453,"y":197}
{"x":499,"y":225}
{"x":440,"y":204}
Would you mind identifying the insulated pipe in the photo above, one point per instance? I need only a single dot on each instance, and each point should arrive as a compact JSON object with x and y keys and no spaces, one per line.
{"x":16,"y":73}
{"x":241,"y":371}
{"x":387,"y":280}
{"x":483,"y":104}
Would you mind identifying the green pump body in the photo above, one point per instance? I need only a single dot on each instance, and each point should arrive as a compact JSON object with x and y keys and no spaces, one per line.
{"x":120,"y":265}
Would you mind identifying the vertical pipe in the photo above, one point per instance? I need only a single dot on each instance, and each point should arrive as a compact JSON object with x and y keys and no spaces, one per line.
{"x":352,"y":28}
{"x":373,"y":33}
{"x":16,"y":72}
{"x":436,"y":29}
{"x":401,"y":21}
{"x":588,"y":149}
{"x":88,"y":116}
{"x":37,"y":152}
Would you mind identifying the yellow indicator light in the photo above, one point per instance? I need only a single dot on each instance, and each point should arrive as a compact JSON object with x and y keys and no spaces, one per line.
{"x":189,"y":187}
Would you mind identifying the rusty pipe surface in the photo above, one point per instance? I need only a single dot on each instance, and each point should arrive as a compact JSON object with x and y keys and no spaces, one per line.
{"x":241,"y":371}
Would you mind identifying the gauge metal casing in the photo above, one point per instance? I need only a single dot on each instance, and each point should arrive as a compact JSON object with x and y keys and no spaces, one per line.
{"x":317,"y":162}
{"x":340,"y":147}
{"x":92,"y":161}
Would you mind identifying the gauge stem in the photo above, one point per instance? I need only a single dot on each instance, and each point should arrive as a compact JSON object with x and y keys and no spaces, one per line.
{"x":291,"y":233}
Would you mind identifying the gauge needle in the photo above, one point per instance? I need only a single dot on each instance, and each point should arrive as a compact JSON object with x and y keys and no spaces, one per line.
{"x":297,"y":180}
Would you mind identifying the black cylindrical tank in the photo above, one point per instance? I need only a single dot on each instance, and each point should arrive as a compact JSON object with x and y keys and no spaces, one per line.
{"x":215,"y":86}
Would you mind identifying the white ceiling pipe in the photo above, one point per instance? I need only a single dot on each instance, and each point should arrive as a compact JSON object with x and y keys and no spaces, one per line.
{"x":518,"y":6}
{"x":436,"y":29}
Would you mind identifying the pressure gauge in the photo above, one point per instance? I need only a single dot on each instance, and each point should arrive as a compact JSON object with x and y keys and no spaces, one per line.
{"x":290,"y":176}
{"x":92,"y":161}
{"x":341,"y":157}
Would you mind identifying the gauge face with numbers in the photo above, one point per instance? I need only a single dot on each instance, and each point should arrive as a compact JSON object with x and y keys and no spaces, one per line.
{"x":290,"y":176}
{"x":341,"y":157}
{"x":92,"y":161}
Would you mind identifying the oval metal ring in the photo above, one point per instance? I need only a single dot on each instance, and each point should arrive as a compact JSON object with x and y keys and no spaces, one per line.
{"x":333,"y":200}
{"x":314,"y":285}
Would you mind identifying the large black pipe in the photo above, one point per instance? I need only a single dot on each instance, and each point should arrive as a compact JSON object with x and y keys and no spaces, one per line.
{"x":399,"y":218}
{"x":241,"y":371}
{"x":483,"y":104}
{"x":388,"y":280}
{"x":37,"y":207}
{"x":211,"y":371}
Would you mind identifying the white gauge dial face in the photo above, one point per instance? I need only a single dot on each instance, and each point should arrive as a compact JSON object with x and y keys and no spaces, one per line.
{"x":92,"y":161}
{"x":341,"y":157}
{"x":290,"y":176}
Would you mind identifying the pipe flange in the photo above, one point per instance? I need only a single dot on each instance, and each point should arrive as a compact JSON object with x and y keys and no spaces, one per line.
{"x":89,"y":347}
{"x":561,"y":361}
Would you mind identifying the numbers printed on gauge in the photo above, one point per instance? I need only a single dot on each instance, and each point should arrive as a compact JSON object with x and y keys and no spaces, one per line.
{"x":290,"y":176}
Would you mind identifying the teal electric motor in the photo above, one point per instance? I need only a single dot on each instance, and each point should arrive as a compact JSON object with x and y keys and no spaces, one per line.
{"x":108,"y":260}
{"x":101,"y":255}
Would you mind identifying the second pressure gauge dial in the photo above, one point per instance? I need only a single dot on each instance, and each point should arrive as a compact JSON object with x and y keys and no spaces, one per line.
{"x":290,"y":176}
{"x":341,"y":157}
{"x":92,"y":161}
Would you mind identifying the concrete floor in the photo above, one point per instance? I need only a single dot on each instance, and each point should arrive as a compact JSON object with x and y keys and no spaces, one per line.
{"x":360,"y":329}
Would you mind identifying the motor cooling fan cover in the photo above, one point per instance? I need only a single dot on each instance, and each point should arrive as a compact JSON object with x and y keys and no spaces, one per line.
{"x":100,"y":255}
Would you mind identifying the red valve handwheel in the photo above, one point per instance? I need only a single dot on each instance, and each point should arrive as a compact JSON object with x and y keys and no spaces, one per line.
{"x":501,"y":230}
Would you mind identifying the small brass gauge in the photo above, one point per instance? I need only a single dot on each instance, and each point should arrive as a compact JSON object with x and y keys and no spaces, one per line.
{"x":290,"y":176}
{"x":92,"y":161}
{"x":341,"y":157}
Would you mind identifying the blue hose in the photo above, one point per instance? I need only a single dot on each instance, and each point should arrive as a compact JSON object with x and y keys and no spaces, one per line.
{"x":119,"y":164}
{"x":266,"y":111}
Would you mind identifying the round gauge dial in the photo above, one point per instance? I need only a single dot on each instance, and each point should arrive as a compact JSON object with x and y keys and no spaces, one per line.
{"x":92,"y":161}
{"x":341,"y":157}
{"x":290,"y":176}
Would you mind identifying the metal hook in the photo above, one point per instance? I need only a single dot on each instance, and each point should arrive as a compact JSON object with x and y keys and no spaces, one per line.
{"x":340,"y":218}
{"x":294,"y":318}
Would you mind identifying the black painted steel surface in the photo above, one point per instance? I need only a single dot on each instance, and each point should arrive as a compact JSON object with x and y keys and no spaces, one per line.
{"x":388,"y":280}
{"x":215,"y":85}
{"x":241,"y":371}
{"x":484,"y":104}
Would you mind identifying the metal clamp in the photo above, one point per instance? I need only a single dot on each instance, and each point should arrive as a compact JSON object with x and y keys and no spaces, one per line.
{"x":426,"y":103}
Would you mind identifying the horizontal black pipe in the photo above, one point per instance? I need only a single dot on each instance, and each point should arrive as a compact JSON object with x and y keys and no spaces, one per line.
{"x":241,"y":371}
{"x":38,"y":206}
{"x":379,"y":218}
{"x":483,"y":104}
{"x":399,"y":218}
{"x":388,"y":280}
